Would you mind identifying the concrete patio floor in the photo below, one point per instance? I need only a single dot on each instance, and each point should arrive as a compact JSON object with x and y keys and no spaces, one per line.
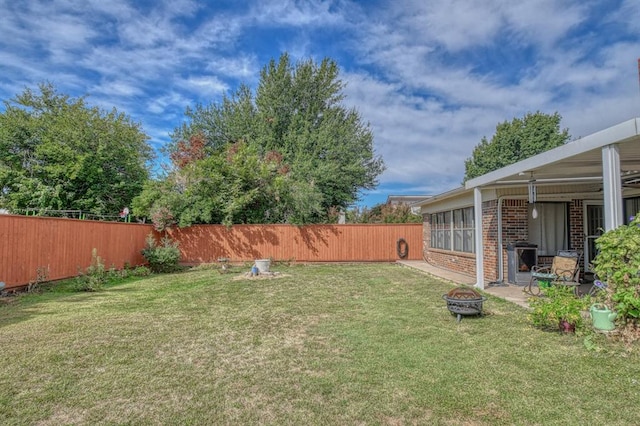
{"x":509,"y":292}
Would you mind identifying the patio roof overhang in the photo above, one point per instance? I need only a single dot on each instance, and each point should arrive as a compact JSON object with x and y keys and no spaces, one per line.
{"x":579,"y":160}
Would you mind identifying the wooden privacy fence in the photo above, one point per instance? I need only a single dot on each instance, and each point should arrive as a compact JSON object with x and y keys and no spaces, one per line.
{"x":312,"y":243}
{"x":62,"y":247}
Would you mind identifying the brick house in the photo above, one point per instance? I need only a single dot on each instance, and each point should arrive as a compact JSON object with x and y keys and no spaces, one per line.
{"x":524,"y":213}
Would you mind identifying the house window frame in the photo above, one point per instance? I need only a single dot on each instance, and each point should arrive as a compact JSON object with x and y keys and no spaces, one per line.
{"x":627,"y":204}
{"x":453,"y":230}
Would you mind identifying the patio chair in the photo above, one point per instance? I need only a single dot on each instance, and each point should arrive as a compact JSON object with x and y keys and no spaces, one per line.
{"x":564,"y":270}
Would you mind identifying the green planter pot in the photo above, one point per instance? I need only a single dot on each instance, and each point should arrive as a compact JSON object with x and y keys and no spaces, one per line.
{"x":603,"y":318}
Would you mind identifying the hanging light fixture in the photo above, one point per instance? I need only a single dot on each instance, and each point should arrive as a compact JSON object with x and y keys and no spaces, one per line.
{"x":533,"y":196}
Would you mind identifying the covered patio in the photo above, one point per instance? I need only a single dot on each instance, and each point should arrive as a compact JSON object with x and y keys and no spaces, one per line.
{"x":560,"y":199}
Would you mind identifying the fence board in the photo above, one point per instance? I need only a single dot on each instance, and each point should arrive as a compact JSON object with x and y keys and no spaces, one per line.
{"x":312,"y":243}
{"x":63,"y":246}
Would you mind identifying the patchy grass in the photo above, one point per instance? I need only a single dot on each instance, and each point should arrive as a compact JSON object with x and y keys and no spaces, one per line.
{"x":349,"y":344}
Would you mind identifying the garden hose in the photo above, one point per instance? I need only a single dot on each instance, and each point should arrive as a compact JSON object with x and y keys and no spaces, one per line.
{"x":402,"y":248}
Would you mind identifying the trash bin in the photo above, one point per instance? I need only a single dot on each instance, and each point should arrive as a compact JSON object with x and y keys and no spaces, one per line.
{"x":521,"y":257}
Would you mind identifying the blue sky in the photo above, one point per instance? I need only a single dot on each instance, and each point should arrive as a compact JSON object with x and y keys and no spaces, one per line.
{"x":431,"y":77}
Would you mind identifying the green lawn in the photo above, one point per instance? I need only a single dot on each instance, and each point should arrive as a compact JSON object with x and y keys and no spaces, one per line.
{"x":348,"y":344}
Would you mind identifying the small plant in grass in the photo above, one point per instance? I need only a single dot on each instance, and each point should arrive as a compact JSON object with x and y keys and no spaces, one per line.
{"x":163,"y":257}
{"x":42,"y":274}
{"x":114,"y":274}
{"x":94,"y":276}
{"x":558,"y":305}
{"x":140,"y":271}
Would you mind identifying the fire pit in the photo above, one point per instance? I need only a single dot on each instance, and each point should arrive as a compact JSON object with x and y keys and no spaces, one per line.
{"x":464,"y":301}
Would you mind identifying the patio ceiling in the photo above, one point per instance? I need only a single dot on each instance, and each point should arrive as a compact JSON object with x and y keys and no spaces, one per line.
{"x":579,"y":160}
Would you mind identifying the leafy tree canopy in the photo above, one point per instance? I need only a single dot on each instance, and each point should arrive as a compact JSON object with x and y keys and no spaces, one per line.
{"x":383,"y":213}
{"x":514,"y":141}
{"x":288,"y":153}
{"x":234,"y":185}
{"x":59,"y":153}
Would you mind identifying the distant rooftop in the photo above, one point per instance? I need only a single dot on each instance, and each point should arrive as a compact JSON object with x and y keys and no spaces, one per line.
{"x":406,"y":199}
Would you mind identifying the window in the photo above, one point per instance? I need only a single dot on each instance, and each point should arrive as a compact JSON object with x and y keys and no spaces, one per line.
{"x":463,"y":230}
{"x":631,"y":209}
{"x":453,"y":230}
{"x":441,"y":230}
{"x":550,"y":231}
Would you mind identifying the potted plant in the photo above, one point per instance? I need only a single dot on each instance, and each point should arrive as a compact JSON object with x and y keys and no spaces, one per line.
{"x":559,"y":308}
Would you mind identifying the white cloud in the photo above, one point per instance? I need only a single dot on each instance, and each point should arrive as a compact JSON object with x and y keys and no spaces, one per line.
{"x":205,"y":86}
{"x":628,"y":14}
{"x":117,"y":89}
{"x":431,"y":77}
{"x":415,"y":136}
{"x":297,"y":13}
{"x":244,"y":66}
{"x":455,"y":24}
{"x":160,"y":104}
{"x":543,"y":22}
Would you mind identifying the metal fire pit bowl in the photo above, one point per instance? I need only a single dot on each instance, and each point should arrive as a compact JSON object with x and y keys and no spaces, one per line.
{"x":464,"y":301}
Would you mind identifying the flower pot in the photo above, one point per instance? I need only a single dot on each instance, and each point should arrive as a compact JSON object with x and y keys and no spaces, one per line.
{"x":603,"y":318}
{"x":567,"y":327}
{"x":263,"y":265}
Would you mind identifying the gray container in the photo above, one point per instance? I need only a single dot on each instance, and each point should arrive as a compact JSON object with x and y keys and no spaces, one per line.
{"x":521,"y":257}
{"x":263,"y":265}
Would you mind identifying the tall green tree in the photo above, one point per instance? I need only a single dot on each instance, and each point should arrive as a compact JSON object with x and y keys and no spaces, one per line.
{"x":235,"y":185}
{"x":514,"y":141}
{"x":60,"y":153}
{"x":296,"y":114}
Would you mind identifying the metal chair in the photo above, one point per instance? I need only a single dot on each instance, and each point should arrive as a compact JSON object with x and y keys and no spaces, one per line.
{"x":564,"y":270}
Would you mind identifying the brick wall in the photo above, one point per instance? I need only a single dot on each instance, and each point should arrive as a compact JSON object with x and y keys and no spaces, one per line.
{"x":515,"y":227}
{"x":465,"y":263}
{"x":576,"y":225}
{"x":490,"y":239}
{"x":576,"y":229}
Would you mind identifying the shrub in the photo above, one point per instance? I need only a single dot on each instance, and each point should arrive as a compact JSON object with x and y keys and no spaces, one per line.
{"x":140,"y":271}
{"x":618,"y":264}
{"x":558,"y":303}
{"x":163,"y":257}
{"x":94,"y":276}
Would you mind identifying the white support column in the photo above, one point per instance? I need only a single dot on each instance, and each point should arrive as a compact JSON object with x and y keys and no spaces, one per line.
{"x":612,"y":185}
{"x":477,"y":209}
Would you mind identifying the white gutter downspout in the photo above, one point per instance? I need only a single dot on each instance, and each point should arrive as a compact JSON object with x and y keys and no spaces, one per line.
{"x":477,"y":208}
